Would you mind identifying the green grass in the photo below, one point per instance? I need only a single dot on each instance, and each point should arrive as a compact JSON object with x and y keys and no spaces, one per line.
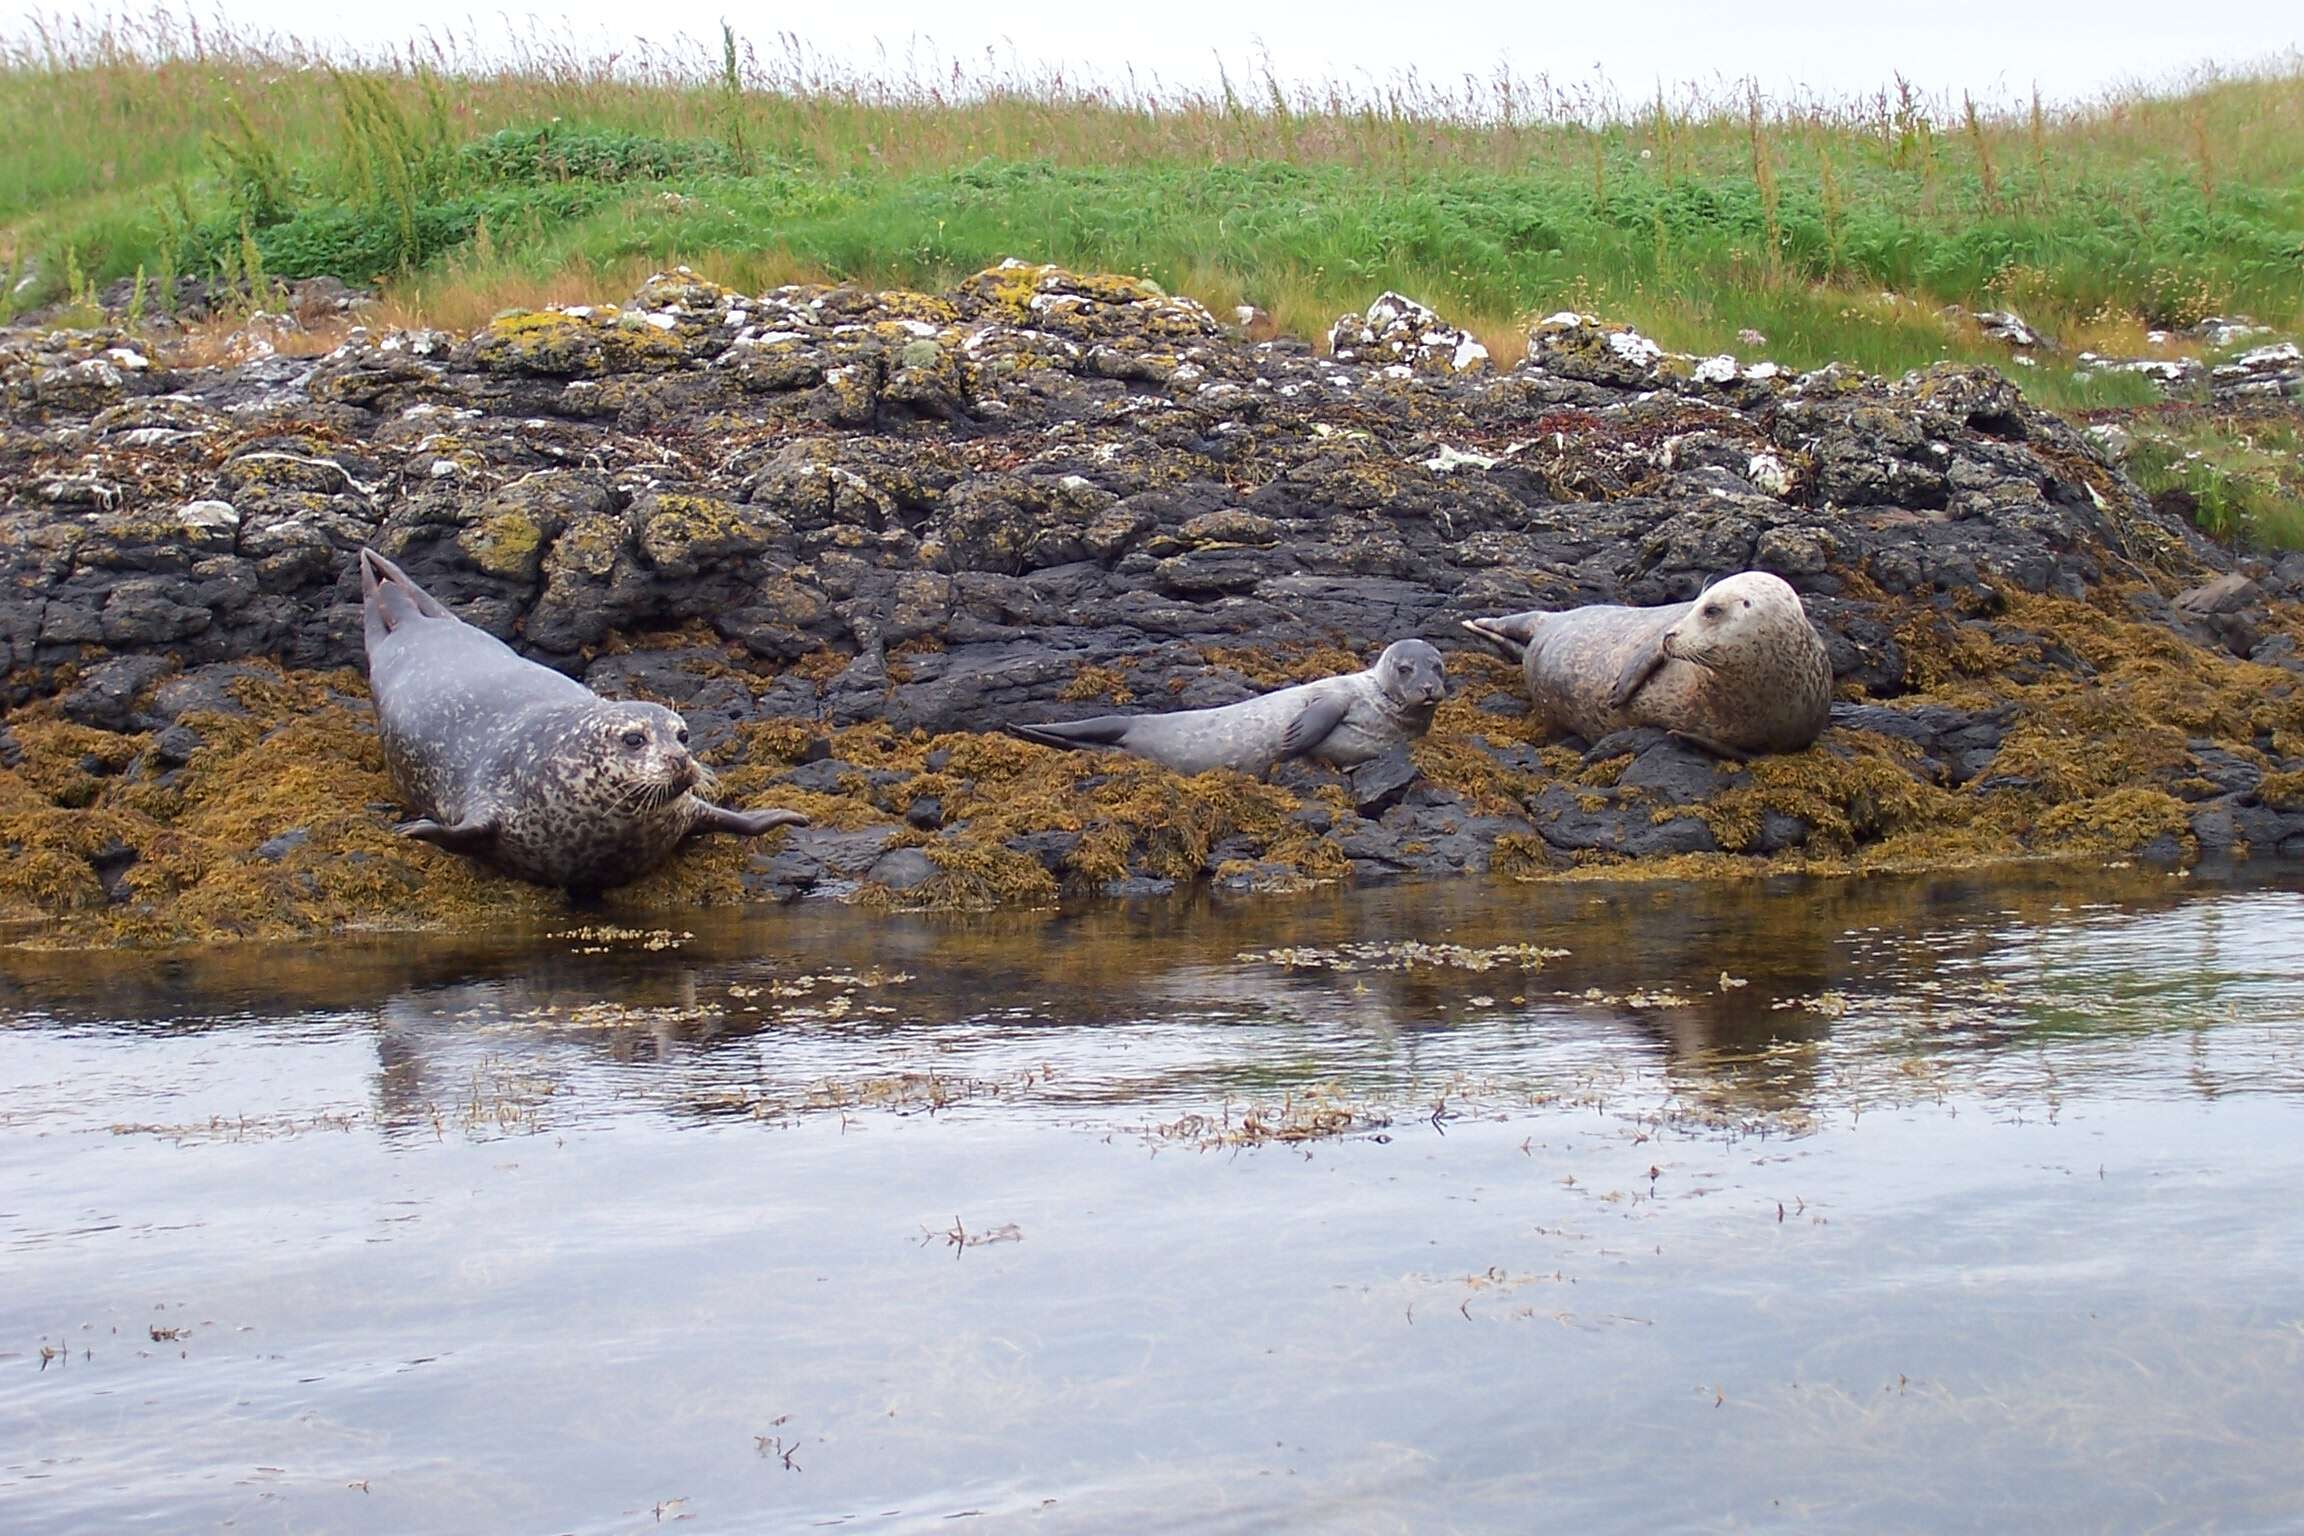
{"x":1838,"y":231}
{"x":2243,"y":471}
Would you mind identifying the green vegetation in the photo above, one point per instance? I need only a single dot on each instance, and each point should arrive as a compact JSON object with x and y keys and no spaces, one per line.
{"x":1837,"y":231}
{"x":2243,"y":471}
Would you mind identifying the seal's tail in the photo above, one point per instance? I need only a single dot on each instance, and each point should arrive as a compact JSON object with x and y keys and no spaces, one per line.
{"x":1102,"y":731}
{"x":389,"y":599}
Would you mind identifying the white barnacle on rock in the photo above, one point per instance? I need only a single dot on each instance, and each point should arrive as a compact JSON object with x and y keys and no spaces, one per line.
{"x":1469,"y":354}
{"x":1764,"y":371}
{"x":128,"y":358}
{"x":1715,"y":370}
{"x":1633,"y":347}
{"x":1450,"y":458}
{"x":155,"y":437}
{"x":208,"y":514}
{"x":1565,"y":320}
{"x":443,"y":469}
{"x":1399,"y":371}
{"x":1769,"y":473}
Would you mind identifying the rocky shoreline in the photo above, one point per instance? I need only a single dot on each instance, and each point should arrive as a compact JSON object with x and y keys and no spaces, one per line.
{"x":851,"y":534}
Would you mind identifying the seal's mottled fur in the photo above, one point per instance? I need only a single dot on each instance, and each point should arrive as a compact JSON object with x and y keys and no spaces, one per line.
{"x":510,"y":762}
{"x":1342,"y":721}
{"x":1739,"y":669}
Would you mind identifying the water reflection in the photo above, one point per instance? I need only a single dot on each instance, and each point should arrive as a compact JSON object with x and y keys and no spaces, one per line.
{"x":1886,"y":1205}
{"x":1733,"y":989}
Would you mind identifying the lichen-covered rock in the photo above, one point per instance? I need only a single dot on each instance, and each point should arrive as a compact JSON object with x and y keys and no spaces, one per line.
{"x":853,"y":533}
{"x":1398,"y":330}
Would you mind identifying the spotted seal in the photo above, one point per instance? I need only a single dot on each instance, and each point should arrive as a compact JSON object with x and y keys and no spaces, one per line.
{"x":1739,"y":670}
{"x":1342,"y":721}
{"x":509,"y":762}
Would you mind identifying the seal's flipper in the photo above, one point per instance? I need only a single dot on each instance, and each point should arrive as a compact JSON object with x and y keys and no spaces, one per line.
{"x":469,"y":837}
{"x":1641,"y":667}
{"x":718,"y":818}
{"x":389,"y":599}
{"x":1102,"y":731}
{"x":1513,"y":631}
{"x":1312,"y":725}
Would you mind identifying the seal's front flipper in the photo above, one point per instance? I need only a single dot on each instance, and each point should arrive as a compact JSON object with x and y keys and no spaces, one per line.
{"x":718,"y":818}
{"x":1636,"y":673}
{"x":464,"y":837}
{"x":1102,"y":731}
{"x":1312,"y":725}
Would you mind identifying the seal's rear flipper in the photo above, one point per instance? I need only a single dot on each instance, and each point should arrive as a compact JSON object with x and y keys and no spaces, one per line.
{"x":1512,"y":631}
{"x":1102,"y":731}
{"x":389,"y":599}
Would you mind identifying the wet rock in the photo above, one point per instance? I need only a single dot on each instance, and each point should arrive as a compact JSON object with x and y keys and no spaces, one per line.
{"x":274,"y":849}
{"x":106,"y":697}
{"x":174,"y":746}
{"x":1379,"y":784}
{"x":817,"y":861}
{"x":902,"y":869}
{"x":1137,"y":888}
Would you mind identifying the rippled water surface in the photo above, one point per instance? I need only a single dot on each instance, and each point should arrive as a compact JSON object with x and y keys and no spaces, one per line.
{"x":1923,"y":1205}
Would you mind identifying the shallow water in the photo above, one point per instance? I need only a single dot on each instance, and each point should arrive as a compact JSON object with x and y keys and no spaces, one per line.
{"x":1893,"y":1205}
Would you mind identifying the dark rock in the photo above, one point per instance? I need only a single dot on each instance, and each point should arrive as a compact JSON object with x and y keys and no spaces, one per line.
{"x":818,"y":861}
{"x":274,"y":849}
{"x":1053,"y":848}
{"x":1138,"y":888}
{"x":902,"y":869}
{"x":106,"y":697}
{"x":821,"y":775}
{"x":1379,"y":784}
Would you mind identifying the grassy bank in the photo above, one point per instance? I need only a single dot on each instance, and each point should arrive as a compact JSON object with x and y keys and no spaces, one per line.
{"x":464,"y":183}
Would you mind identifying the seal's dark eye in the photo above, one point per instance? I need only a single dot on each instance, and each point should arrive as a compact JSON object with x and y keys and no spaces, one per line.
{"x":1747,"y":602}
{"x":635,"y":737}
{"x":1711,"y":610}
{"x":681,"y":736}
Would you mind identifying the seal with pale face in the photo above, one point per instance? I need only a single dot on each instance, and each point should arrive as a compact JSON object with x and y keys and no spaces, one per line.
{"x":1738,"y":670}
{"x":507,"y":761}
{"x":1342,"y":721}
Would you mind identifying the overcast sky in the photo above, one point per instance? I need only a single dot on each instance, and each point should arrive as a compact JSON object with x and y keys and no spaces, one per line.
{"x":1998,"y":49}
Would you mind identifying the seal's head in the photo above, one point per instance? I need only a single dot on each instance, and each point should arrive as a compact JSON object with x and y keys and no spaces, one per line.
{"x":1732,"y":617}
{"x":1412,"y":672}
{"x":644,"y":749}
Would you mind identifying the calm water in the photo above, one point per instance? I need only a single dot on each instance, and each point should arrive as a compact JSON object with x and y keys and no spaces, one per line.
{"x":1894,"y":1206}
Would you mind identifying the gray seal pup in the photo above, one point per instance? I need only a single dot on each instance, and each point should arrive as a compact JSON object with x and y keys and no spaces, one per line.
{"x":1342,"y":721}
{"x":507,"y":761}
{"x":1738,"y":670}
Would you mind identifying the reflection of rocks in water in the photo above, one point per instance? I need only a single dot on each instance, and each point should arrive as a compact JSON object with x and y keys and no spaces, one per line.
{"x":1380,"y":989}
